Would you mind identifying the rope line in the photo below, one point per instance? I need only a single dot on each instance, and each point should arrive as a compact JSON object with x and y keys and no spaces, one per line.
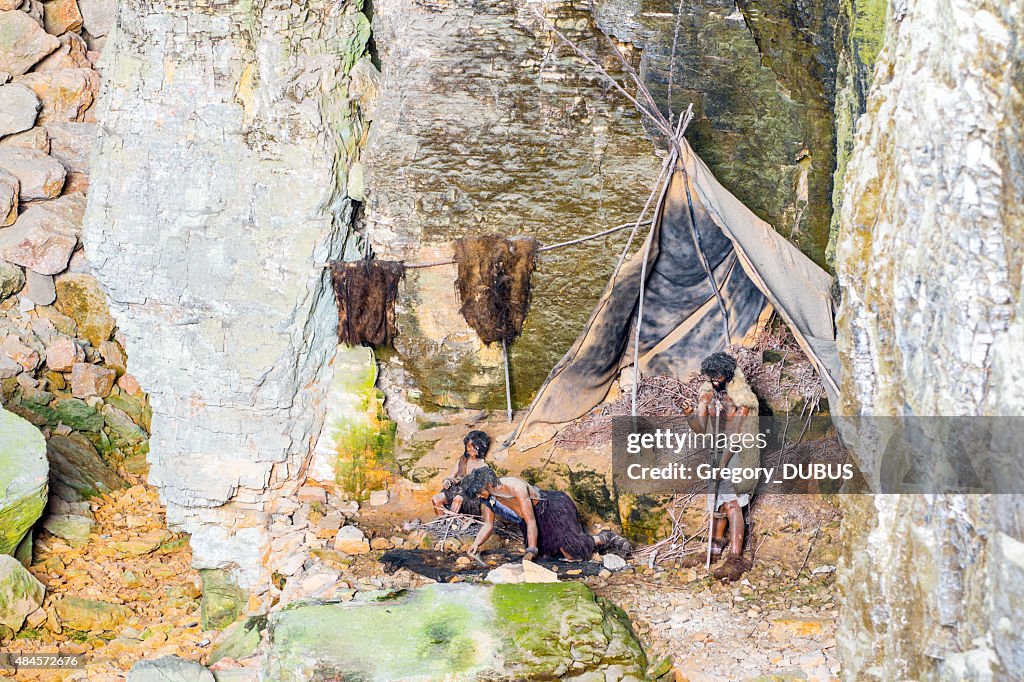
{"x":550,"y":247}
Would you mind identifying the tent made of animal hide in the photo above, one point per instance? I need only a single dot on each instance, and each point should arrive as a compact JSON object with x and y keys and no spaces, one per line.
{"x":754,"y":268}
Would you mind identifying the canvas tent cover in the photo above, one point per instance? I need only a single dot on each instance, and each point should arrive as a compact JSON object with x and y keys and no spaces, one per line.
{"x":755,"y":269}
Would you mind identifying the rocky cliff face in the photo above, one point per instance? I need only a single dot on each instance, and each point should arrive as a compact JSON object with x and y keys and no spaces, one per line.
{"x":929,"y":260}
{"x":228,"y":133}
{"x":486,"y":123}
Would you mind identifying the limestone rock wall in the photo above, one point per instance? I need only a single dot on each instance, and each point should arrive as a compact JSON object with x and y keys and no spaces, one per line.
{"x":929,"y":260}
{"x":228,"y":130}
{"x":761,"y":76}
{"x":485,"y":123}
{"x":482,"y":125}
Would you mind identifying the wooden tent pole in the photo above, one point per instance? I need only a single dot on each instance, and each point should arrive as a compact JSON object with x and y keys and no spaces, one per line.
{"x":671,"y":161}
{"x":508,"y":385}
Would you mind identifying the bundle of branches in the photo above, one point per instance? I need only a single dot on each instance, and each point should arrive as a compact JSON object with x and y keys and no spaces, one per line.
{"x":494,"y":284}
{"x":678,"y":544}
{"x":463,"y":526}
{"x":663,"y":396}
{"x":366,"y":292}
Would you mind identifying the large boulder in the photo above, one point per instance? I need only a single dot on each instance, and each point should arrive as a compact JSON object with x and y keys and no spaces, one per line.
{"x":457,"y":632}
{"x":20,"y":593}
{"x":23,"y":479}
{"x":70,"y":143}
{"x":23,"y":42}
{"x":98,"y":16}
{"x":73,"y":53}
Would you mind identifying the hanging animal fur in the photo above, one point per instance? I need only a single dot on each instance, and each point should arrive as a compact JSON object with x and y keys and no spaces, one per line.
{"x":494,"y":284}
{"x":366,"y":292}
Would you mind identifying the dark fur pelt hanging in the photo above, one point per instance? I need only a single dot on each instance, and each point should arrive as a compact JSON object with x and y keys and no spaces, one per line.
{"x":494,"y":284}
{"x":366,"y":292}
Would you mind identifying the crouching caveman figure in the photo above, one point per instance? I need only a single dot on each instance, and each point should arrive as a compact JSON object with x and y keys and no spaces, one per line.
{"x":727,"y":393}
{"x":548,"y":518}
{"x":452,"y":496}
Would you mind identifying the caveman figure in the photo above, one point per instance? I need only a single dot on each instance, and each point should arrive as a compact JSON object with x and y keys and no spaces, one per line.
{"x":726,"y":392}
{"x":452,"y":496}
{"x":548,"y":519}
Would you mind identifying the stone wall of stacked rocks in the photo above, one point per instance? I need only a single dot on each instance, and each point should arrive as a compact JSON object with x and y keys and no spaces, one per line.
{"x":62,"y":361}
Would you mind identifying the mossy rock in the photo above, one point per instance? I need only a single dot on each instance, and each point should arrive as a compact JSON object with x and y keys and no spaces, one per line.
{"x":79,"y":297}
{"x":23,"y":479}
{"x":456,"y":632}
{"x":223,"y":600}
{"x":12,"y":279}
{"x":240,"y":640}
{"x":78,"y":415}
{"x":644,"y":518}
{"x":20,"y":593}
{"x":91,"y":615}
{"x":123,"y":432}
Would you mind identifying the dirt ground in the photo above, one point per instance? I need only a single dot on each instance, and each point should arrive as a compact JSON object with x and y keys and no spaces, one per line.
{"x":778,"y":623}
{"x":131,"y":560}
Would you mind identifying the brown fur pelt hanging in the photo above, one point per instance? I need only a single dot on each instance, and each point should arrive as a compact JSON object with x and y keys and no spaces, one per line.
{"x":494,"y":284}
{"x":366,"y":292}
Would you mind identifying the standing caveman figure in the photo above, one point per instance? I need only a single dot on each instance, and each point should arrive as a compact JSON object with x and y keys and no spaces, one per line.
{"x":727,"y":393}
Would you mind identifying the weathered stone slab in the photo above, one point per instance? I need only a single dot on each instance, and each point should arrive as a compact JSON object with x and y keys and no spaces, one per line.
{"x":23,"y":42}
{"x":33,"y":138}
{"x":63,"y":353}
{"x":72,"y":54}
{"x":14,"y":348}
{"x":60,"y":16}
{"x":18,"y":108}
{"x":223,"y":601}
{"x":91,"y":615}
{"x":9,"y":190}
{"x":23,"y":478}
{"x":71,"y":144}
{"x":98,"y":16}
{"x":66,"y":94}
{"x":169,"y":669}
{"x":74,"y":528}
{"x":77,"y":465}
{"x":88,"y":380}
{"x":40,"y":175}
{"x":124,"y":433}
{"x":39,"y":289}
{"x":456,"y":632}
{"x":45,"y":235}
